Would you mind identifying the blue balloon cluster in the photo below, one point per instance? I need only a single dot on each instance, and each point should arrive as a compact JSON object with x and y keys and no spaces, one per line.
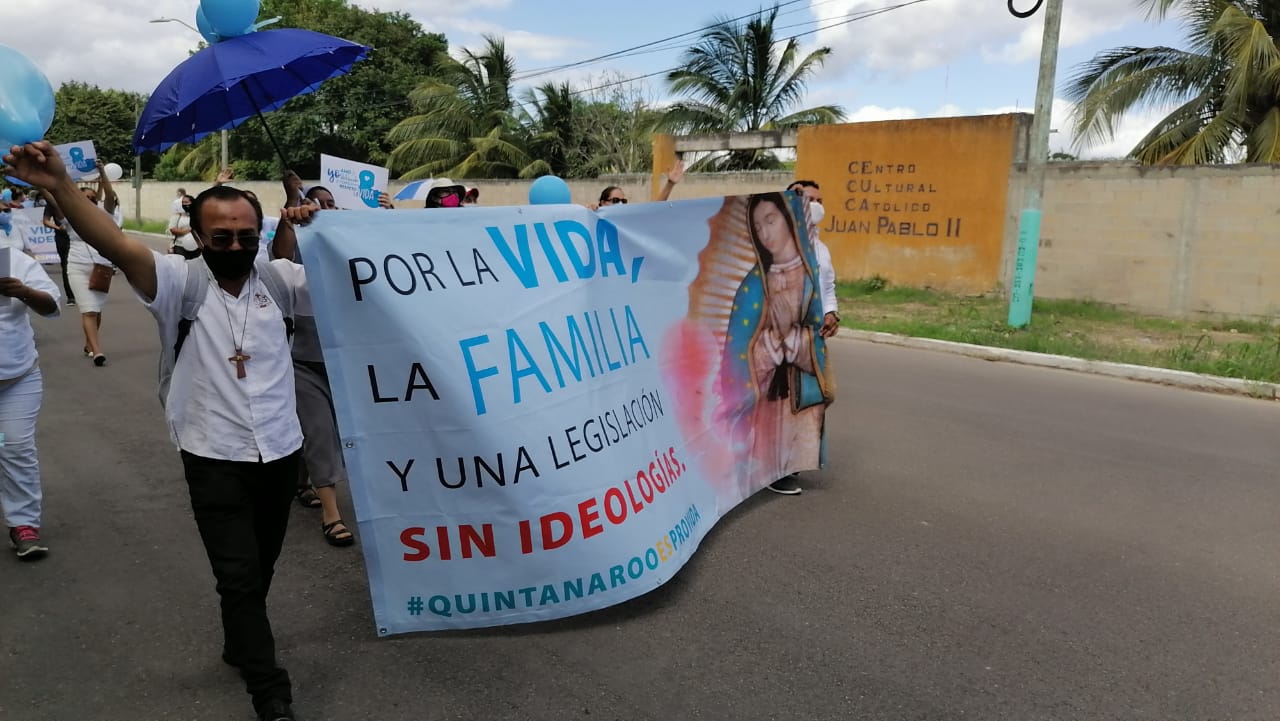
{"x":549,"y":190}
{"x":26,"y":100}
{"x":218,"y":20}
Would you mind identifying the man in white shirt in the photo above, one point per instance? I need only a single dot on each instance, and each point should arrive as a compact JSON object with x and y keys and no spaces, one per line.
{"x":230,"y":406}
{"x":826,"y":271}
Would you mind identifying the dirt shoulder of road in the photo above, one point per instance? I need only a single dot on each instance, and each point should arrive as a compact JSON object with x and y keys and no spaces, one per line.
{"x":1242,"y":349}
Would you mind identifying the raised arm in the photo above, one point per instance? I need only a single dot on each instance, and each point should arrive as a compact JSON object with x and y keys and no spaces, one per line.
{"x":105,"y":191}
{"x":39,"y":164}
{"x":292,"y":189}
{"x":285,"y":244}
{"x":674,"y":176}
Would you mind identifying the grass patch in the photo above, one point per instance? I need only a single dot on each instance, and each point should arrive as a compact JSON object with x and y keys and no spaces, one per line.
{"x":146,"y":226}
{"x":1081,"y":329}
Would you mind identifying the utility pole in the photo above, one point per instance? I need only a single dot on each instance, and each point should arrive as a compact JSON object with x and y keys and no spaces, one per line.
{"x":1024,"y":273}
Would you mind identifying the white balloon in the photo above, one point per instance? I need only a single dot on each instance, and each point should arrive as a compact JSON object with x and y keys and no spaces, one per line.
{"x":114,"y":171}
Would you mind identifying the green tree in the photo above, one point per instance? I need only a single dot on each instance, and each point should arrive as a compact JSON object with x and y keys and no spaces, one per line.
{"x":1225,"y":85}
{"x":554,"y":117}
{"x":465,"y":122}
{"x":619,"y":119}
{"x":349,"y":116}
{"x":741,"y":77}
{"x":107,"y":117}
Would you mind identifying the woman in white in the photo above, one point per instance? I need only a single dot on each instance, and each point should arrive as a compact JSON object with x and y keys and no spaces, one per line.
{"x":184,"y":243}
{"x":80,"y":261}
{"x":23,"y":285}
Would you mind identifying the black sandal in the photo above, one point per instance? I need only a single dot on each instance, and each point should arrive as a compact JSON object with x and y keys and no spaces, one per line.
{"x":337,"y":533}
{"x":307,"y":497}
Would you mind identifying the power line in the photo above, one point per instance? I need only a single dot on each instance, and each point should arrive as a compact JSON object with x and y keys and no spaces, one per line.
{"x":665,"y":44}
{"x":544,"y":71}
{"x":848,"y":19}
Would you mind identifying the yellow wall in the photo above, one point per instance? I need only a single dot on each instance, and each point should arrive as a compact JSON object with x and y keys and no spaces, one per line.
{"x":919,"y":202}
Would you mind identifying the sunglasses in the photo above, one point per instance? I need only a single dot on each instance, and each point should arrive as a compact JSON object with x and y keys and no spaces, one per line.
{"x":615,"y":201}
{"x":247,"y":239}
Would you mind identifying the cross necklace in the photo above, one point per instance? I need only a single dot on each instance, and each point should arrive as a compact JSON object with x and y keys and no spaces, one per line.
{"x":240,"y":356}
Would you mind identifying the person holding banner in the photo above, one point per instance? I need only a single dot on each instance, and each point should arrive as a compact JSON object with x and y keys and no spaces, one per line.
{"x":773,"y":377}
{"x":23,"y":286}
{"x":321,"y":446}
{"x":230,"y":405}
{"x":812,"y":193}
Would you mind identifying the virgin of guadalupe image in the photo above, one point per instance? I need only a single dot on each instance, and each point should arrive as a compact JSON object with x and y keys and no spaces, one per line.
{"x":772,"y":379}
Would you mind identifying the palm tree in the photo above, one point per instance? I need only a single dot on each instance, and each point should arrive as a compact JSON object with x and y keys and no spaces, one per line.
{"x":465,"y":124}
{"x":1226,"y":85}
{"x":740,"y":77}
{"x":553,"y":115}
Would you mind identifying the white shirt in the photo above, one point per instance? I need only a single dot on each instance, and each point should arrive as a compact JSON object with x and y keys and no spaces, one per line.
{"x":211,"y":413}
{"x":186,"y":241}
{"x":826,"y":275}
{"x":80,"y":251}
{"x":18,"y":351}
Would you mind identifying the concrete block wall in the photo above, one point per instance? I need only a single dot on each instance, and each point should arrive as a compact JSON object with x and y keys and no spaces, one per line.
{"x":1176,"y":241}
{"x":156,"y":197}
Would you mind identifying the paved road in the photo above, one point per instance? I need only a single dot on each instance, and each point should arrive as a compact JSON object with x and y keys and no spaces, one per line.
{"x":991,"y":542}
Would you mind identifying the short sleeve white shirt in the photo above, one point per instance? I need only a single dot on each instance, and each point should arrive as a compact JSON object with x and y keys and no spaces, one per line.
{"x":210,"y":412}
{"x":80,"y":251}
{"x":18,"y":351}
{"x":826,"y":276}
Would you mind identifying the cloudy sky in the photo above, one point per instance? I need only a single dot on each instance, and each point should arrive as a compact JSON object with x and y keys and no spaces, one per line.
{"x":933,"y":57}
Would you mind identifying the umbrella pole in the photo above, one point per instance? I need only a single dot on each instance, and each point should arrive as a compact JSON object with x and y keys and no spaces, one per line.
{"x":271,"y":137}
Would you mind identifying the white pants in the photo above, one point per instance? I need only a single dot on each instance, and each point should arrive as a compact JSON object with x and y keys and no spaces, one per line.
{"x":19,"y":465}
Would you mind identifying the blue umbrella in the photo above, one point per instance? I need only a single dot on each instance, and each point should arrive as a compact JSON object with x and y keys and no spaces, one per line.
{"x":229,"y":82}
{"x":417,"y":190}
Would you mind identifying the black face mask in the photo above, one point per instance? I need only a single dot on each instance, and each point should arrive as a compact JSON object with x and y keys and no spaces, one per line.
{"x":230,"y":264}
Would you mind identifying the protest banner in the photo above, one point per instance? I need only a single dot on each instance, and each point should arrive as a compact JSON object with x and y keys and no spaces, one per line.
{"x":545,"y":409}
{"x":354,"y":185}
{"x":80,"y":158}
{"x":35,"y":238}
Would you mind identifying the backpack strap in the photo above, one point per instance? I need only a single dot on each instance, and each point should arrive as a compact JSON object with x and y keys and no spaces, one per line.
{"x":193,"y":295}
{"x":278,"y":291}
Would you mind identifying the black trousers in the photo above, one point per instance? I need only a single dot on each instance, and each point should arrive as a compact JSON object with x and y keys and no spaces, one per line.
{"x":62,"y":241}
{"x":242,"y":511}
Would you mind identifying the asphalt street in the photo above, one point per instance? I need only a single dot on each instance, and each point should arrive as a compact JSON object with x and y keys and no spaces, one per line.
{"x":990,"y":541}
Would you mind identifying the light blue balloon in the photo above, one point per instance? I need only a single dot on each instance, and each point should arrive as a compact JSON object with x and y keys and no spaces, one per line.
{"x":206,"y":30}
{"x":6,"y":195}
{"x":549,"y":190}
{"x":230,"y":18}
{"x":26,"y":100}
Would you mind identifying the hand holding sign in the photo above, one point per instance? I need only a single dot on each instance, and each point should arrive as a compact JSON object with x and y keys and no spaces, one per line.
{"x":26,"y":100}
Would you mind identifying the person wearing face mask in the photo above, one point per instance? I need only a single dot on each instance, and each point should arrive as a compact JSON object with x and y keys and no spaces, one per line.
{"x":444,"y":193}
{"x":229,"y":405}
{"x":826,"y":271}
{"x":184,"y":244}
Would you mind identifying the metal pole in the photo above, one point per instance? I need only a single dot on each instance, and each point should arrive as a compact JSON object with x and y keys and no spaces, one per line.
{"x":1024,"y":273}
{"x":137,"y":173}
{"x":225,"y":164}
